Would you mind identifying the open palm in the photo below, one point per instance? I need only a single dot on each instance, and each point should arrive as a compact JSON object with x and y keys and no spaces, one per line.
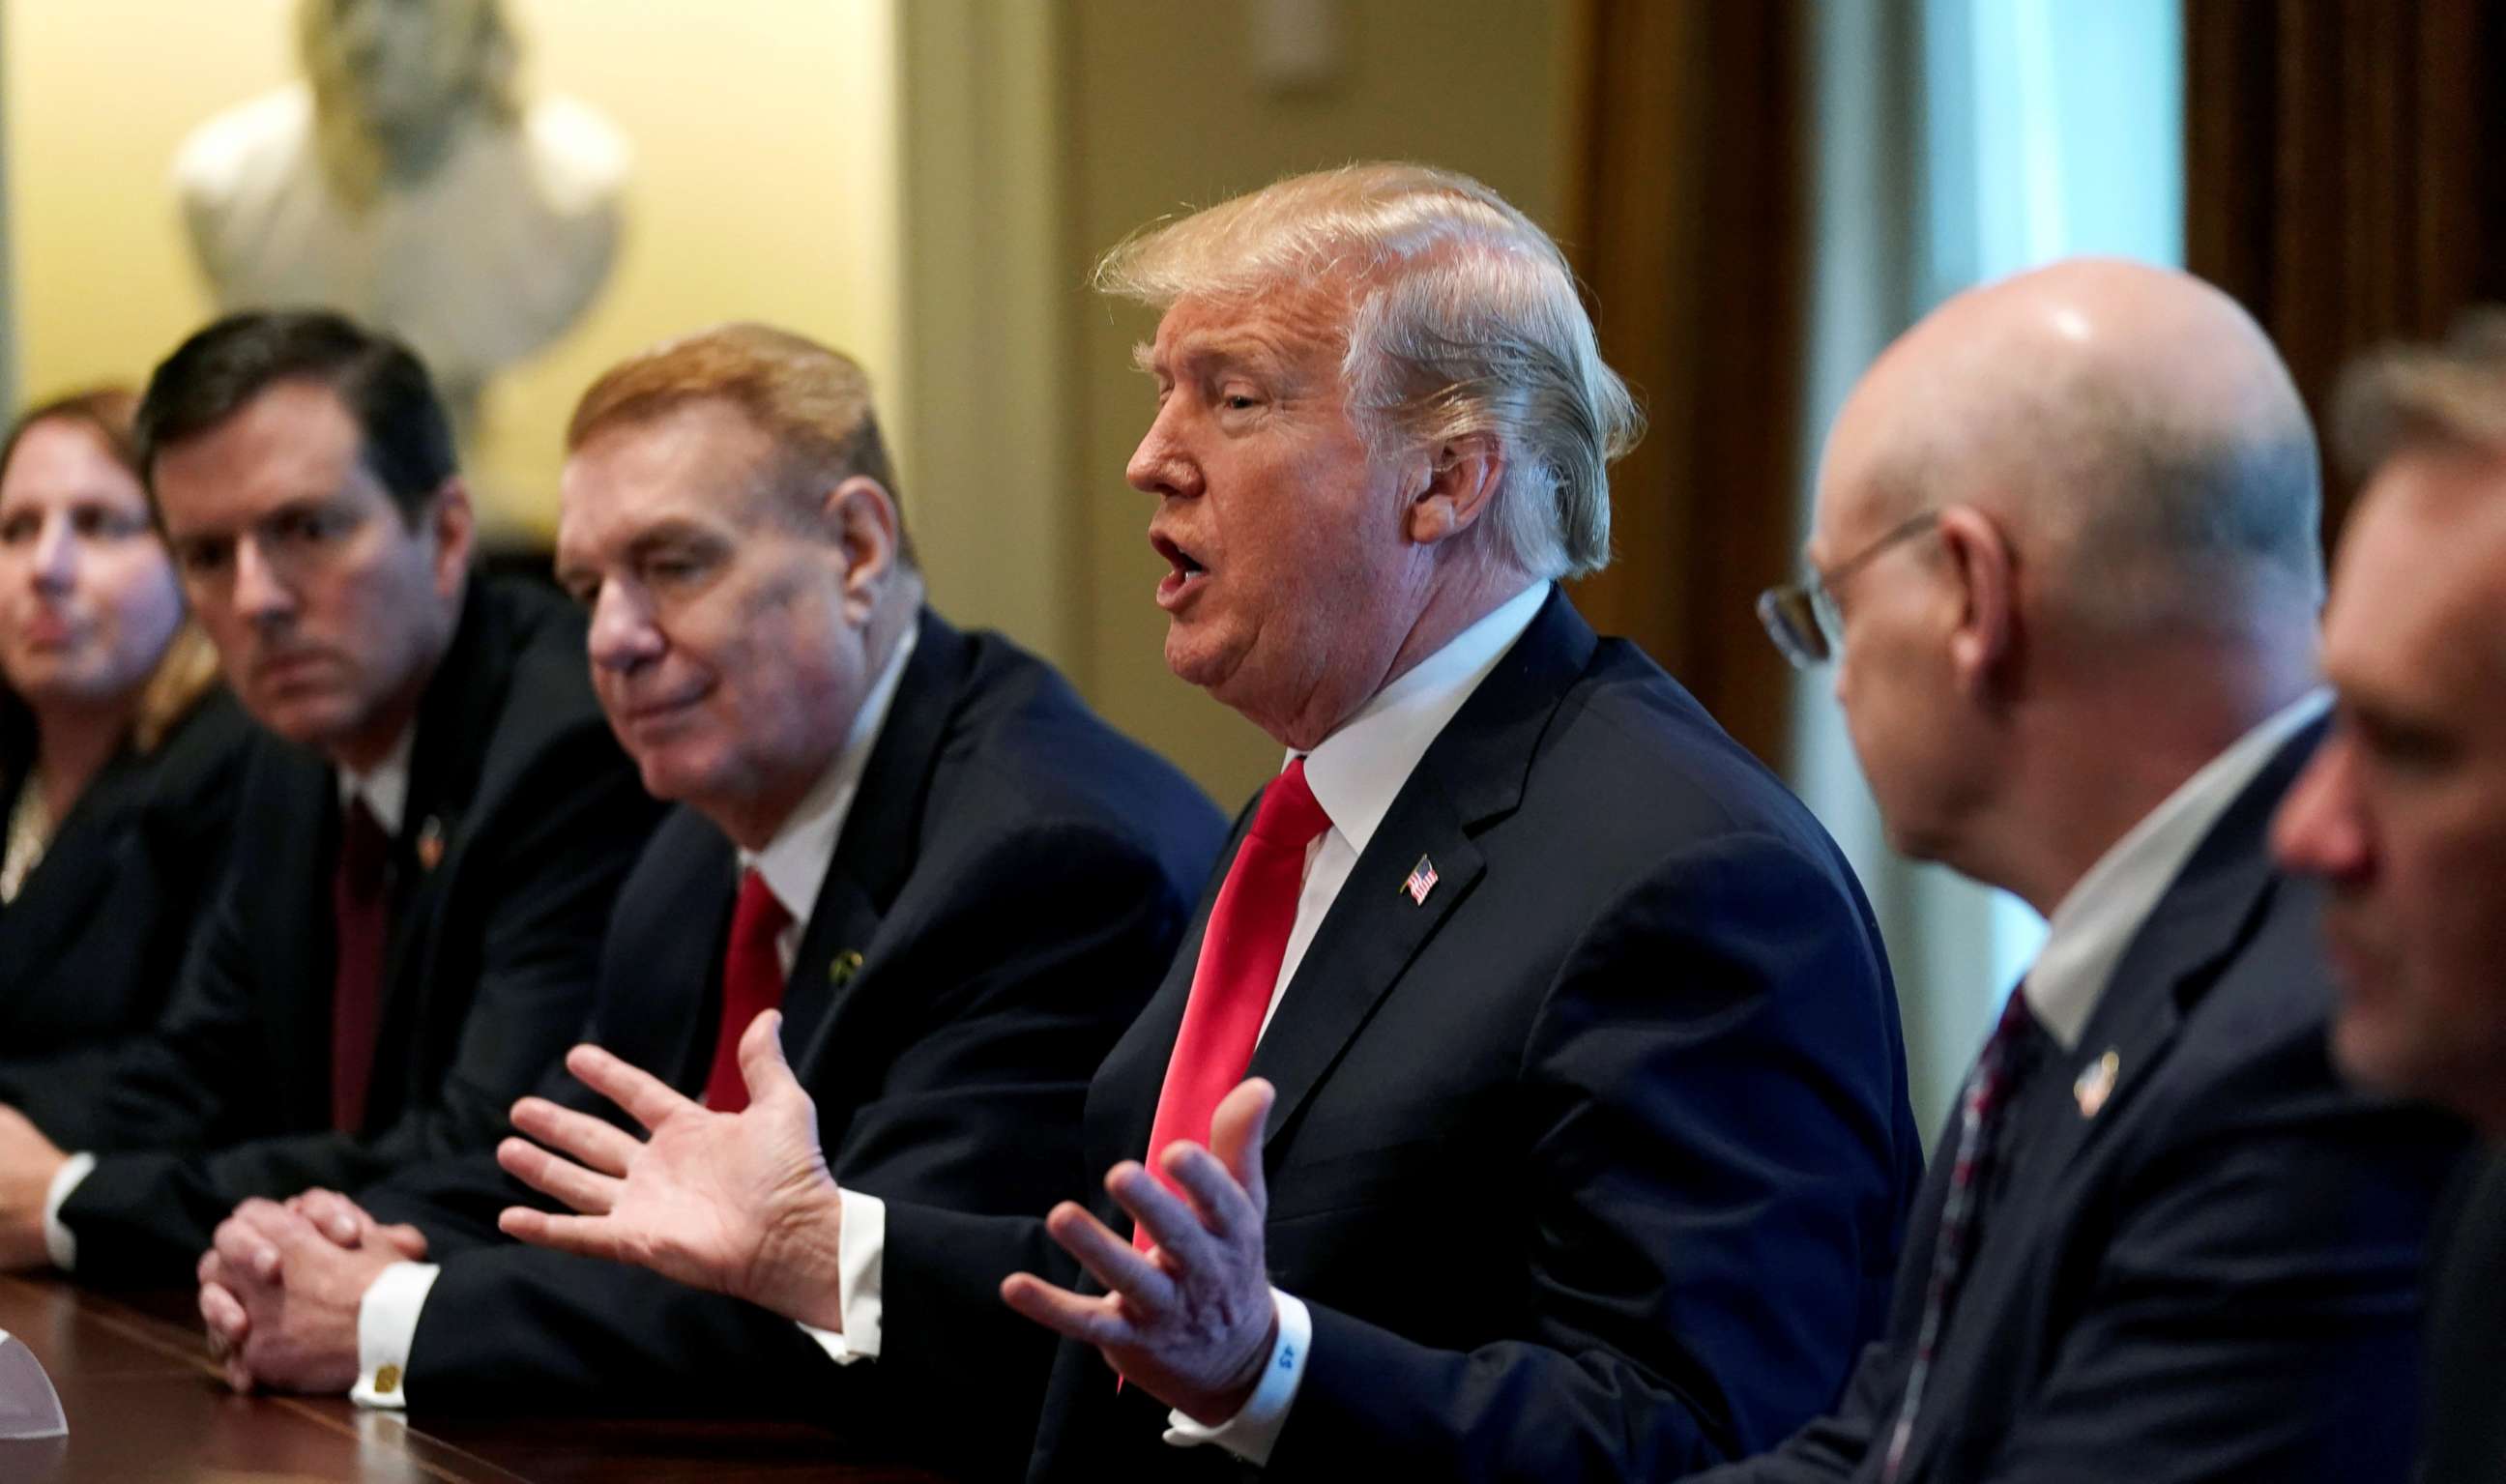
{"x":738,"y":1203}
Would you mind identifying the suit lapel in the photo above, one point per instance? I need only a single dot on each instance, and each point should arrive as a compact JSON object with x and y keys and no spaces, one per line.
{"x":2206,"y":916}
{"x":1470,"y":777}
{"x":875,"y":849}
{"x":673,"y":947}
{"x":455,"y":721}
{"x":61,"y":895}
{"x":302,"y":789}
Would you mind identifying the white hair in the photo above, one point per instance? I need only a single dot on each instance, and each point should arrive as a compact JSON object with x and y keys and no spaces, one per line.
{"x":1465,"y":323}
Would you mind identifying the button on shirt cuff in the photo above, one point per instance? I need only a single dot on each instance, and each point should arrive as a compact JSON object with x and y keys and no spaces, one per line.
{"x":861,"y":1253}
{"x":1253,"y":1432}
{"x":386,"y":1330}
{"x":59,"y":1243}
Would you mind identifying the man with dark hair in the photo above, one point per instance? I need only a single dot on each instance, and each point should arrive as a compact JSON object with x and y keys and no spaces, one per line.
{"x":956,"y":885}
{"x":430,"y":838}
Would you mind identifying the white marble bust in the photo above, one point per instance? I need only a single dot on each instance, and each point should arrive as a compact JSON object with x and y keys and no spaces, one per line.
{"x":405,"y":183}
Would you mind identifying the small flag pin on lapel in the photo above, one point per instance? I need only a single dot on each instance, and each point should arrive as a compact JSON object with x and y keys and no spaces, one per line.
{"x":2097,"y":1084}
{"x":1420,"y":881}
{"x":430,"y":843}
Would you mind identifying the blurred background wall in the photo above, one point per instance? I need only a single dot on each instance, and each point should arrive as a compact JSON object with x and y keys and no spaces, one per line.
{"x":1759,"y":194}
{"x":765,"y":185}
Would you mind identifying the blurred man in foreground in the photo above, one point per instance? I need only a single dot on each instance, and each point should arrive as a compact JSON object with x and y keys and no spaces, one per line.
{"x":1527,"y":1100}
{"x":2065,"y":549}
{"x":954,"y":883}
{"x":2402,"y":814}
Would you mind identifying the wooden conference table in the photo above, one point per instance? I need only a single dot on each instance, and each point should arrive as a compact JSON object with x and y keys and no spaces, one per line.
{"x":145,"y":1405}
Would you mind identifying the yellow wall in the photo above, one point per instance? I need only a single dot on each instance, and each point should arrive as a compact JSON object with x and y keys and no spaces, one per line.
{"x":767,"y":185}
{"x":1165,"y":111}
{"x":764,"y":184}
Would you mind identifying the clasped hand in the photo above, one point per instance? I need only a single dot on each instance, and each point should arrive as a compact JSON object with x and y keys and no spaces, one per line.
{"x":281,"y":1287}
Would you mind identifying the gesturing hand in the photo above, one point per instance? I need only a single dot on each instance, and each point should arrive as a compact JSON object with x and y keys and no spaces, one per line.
{"x":738,"y":1203}
{"x":1191,"y":1321}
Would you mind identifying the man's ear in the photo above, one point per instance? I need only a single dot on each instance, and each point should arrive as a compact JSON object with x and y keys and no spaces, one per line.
{"x":861,"y":516}
{"x":448,"y":519}
{"x":1986,"y":569}
{"x":1454,"y":488}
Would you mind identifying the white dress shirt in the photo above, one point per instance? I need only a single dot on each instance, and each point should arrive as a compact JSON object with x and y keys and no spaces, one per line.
{"x":794,"y":865}
{"x":384,"y":788}
{"x":2098,"y":919}
{"x":1355,"y":774}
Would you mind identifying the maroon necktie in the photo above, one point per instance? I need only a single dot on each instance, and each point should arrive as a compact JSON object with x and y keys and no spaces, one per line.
{"x":1240,"y":964}
{"x":752,"y":984}
{"x":1998,"y":1070}
{"x":360,"y":919}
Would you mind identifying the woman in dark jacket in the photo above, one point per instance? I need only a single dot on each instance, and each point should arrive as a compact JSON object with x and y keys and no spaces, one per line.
{"x":119,"y":754}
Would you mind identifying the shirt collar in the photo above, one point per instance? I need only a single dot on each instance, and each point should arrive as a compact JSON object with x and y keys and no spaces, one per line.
{"x":1358,"y":770}
{"x":795,"y":862}
{"x":384,"y":786}
{"x":2091,"y":926}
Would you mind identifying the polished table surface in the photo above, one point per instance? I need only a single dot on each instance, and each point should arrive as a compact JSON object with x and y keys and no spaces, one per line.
{"x":145,"y":1405}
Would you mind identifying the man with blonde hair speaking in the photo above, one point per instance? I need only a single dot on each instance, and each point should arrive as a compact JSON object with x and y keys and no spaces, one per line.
{"x":1527,"y":1100}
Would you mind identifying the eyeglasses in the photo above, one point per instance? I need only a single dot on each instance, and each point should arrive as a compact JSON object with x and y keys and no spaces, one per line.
{"x":1800,"y":616}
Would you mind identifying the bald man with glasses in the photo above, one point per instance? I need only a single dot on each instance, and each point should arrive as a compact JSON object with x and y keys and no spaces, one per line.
{"x":2066,"y":560}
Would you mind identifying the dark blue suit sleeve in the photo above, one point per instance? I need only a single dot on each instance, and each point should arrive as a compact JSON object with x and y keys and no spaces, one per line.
{"x":961,"y":1099}
{"x":2254,"y":1315}
{"x":1715,"y":1186}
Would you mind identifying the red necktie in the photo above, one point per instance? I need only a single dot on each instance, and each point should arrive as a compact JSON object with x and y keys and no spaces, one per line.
{"x":360,"y":912}
{"x":1240,"y":964}
{"x":752,"y":984}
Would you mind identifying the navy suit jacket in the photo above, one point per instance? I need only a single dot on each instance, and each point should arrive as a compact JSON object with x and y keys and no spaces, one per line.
{"x":2215,"y":1276}
{"x":2466,"y":1427}
{"x":1006,"y":891}
{"x":92,"y":947}
{"x":522,"y":818}
{"x":1592,"y":1165}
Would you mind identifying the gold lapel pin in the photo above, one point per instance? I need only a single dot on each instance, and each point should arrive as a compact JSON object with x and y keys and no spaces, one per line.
{"x":430,"y":843}
{"x":842,"y":967}
{"x":2097,"y":1084}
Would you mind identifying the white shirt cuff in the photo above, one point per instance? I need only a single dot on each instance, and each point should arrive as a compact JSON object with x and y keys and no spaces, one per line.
{"x":60,"y":1242}
{"x":386,"y":1331}
{"x":861,"y":1254}
{"x":1252,"y":1432}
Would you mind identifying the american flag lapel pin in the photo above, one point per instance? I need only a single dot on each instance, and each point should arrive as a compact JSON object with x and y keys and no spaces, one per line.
{"x":430,"y":843}
{"x":2097,"y":1084}
{"x":1420,"y":881}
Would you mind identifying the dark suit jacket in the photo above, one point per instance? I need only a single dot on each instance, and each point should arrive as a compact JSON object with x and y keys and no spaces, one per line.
{"x":1011,"y":882}
{"x":2216,"y":1277}
{"x":1591,"y":1166}
{"x":493,"y":940}
{"x":90,"y":949}
{"x":2466,"y":1427}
